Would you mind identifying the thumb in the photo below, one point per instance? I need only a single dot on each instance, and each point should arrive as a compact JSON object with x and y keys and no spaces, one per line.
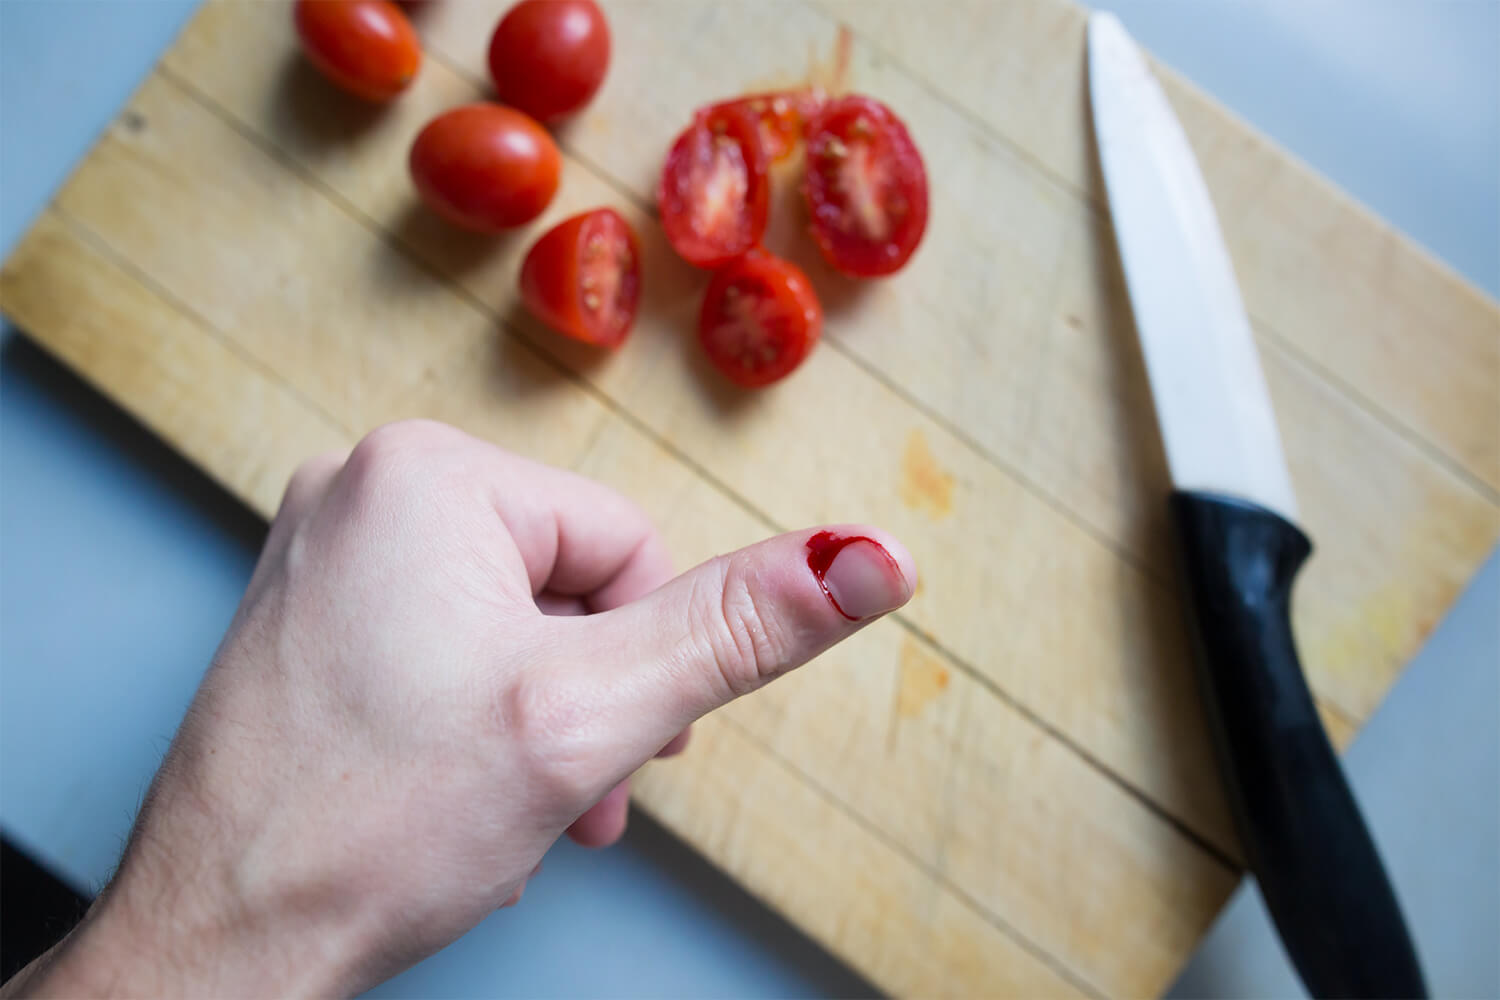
{"x":736,"y":622}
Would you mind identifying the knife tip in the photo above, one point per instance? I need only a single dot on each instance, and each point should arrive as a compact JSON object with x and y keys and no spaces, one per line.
{"x":1105,"y":29}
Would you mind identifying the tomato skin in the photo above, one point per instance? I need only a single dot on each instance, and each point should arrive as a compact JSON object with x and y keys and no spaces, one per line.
{"x":583,"y":277}
{"x":760,"y":319}
{"x":367,"y":47}
{"x":715,"y":194}
{"x":866,"y":187}
{"x":485,"y":167}
{"x":781,"y":117}
{"x":548,"y":57}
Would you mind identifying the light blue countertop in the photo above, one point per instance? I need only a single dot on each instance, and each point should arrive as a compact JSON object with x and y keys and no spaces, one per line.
{"x":120,"y":565}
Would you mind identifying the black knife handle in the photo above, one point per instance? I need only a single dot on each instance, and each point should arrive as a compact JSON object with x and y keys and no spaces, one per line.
{"x":1301,"y":829}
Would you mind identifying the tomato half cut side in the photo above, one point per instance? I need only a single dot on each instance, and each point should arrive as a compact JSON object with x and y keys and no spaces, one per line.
{"x":583,"y":277}
{"x":780,"y":117}
{"x":760,"y":319}
{"x":714,"y":193}
{"x":367,"y":47}
{"x":866,"y":187}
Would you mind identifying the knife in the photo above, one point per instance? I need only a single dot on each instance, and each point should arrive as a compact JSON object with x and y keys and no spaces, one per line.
{"x":1233,"y":515}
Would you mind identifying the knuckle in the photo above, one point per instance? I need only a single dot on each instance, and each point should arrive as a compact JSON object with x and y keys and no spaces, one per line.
{"x":403,"y":437}
{"x":735,"y":630}
{"x":314,"y":472}
{"x":559,"y":736}
{"x":397,"y":453}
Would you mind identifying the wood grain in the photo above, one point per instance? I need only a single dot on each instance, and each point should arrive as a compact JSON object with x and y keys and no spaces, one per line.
{"x":1006,"y":788}
{"x":1011,"y":328}
{"x":1393,"y":329}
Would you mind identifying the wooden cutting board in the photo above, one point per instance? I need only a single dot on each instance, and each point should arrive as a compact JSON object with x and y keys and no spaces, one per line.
{"x":1005,"y":789}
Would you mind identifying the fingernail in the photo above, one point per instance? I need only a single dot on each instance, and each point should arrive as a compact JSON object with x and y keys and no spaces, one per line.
{"x":858,"y":575}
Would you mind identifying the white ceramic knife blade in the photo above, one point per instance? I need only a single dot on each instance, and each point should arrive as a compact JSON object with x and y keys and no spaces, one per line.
{"x":1212,"y":406}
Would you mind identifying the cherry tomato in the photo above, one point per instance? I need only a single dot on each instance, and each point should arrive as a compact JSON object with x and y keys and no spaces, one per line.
{"x":583,"y":278}
{"x":714,"y":192}
{"x":866,"y":187}
{"x":760,"y":318}
{"x":367,"y":47}
{"x":485,"y":167}
{"x":548,"y":57}
{"x":781,"y":117}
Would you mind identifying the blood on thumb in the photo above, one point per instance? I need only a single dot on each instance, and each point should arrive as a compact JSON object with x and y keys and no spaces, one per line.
{"x":732,"y":624}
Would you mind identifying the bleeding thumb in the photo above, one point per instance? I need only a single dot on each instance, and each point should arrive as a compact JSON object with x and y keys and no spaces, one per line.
{"x":732,"y":624}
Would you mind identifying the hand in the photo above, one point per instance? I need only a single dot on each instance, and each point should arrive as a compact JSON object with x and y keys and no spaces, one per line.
{"x":394,"y":732}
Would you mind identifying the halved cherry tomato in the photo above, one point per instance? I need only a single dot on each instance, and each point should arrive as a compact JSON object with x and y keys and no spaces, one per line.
{"x":583,"y":278}
{"x":760,"y":318}
{"x":866,"y":187}
{"x":781,"y":117}
{"x":485,"y":167}
{"x":548,"y":57}
{"x":367,"y":47}
{"x":714,"y":193}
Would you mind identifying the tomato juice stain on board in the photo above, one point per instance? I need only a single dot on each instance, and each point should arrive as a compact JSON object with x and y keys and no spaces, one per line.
{"x":828,"y":75}
{"x":922,"y":679}
{"x":843,"y":42}
{"x":925,"y":485}
{"x":824,"y":547}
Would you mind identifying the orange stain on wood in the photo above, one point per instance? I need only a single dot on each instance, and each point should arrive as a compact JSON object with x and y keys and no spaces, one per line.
{"x":839,"y":76}
{"x":829,"y":75}
{"x":923,"y":678}
{"x":925,"y":485}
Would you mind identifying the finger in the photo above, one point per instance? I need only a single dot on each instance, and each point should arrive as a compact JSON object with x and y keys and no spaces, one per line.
{"x":647,"y":568}
{"x":604,"y":822}
{"x":572,"y":535}
{"x":676,"y":744}
{"x":560,"y":605}
{"x":576,"y":536}
{"x":731,"y":625}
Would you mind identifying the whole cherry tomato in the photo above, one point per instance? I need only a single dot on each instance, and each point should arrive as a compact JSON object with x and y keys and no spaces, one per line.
{"x":760,"y":319}
{"x":583,"y":278}
{"x":548,"y":57}
{"x":714,"y":193}
{"x":367,"y":47}
{"x":866,"y":187}
{"x":485,"y":167}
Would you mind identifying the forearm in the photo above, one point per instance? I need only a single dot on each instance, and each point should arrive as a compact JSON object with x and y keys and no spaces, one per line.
{"x":178,"y":921}
{"x":125,"y":948}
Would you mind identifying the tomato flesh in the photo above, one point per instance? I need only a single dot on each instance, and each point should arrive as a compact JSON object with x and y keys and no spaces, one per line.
{"x":485,"y":167}
{"x":760,"y":319}
{"x":714,"y":192}
{"x":548,"y":57}
{"x":367,"y":47}
{"x":866,"y":187}
{"x":780,"y":117}
{"x":583,"y":277}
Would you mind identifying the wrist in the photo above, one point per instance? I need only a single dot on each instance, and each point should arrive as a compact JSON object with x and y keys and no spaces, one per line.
{"x":189,"y":914}
{"x":143,"y":937}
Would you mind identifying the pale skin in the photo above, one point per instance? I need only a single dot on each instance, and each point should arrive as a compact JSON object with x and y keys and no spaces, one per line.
{"x":447,"y":657}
